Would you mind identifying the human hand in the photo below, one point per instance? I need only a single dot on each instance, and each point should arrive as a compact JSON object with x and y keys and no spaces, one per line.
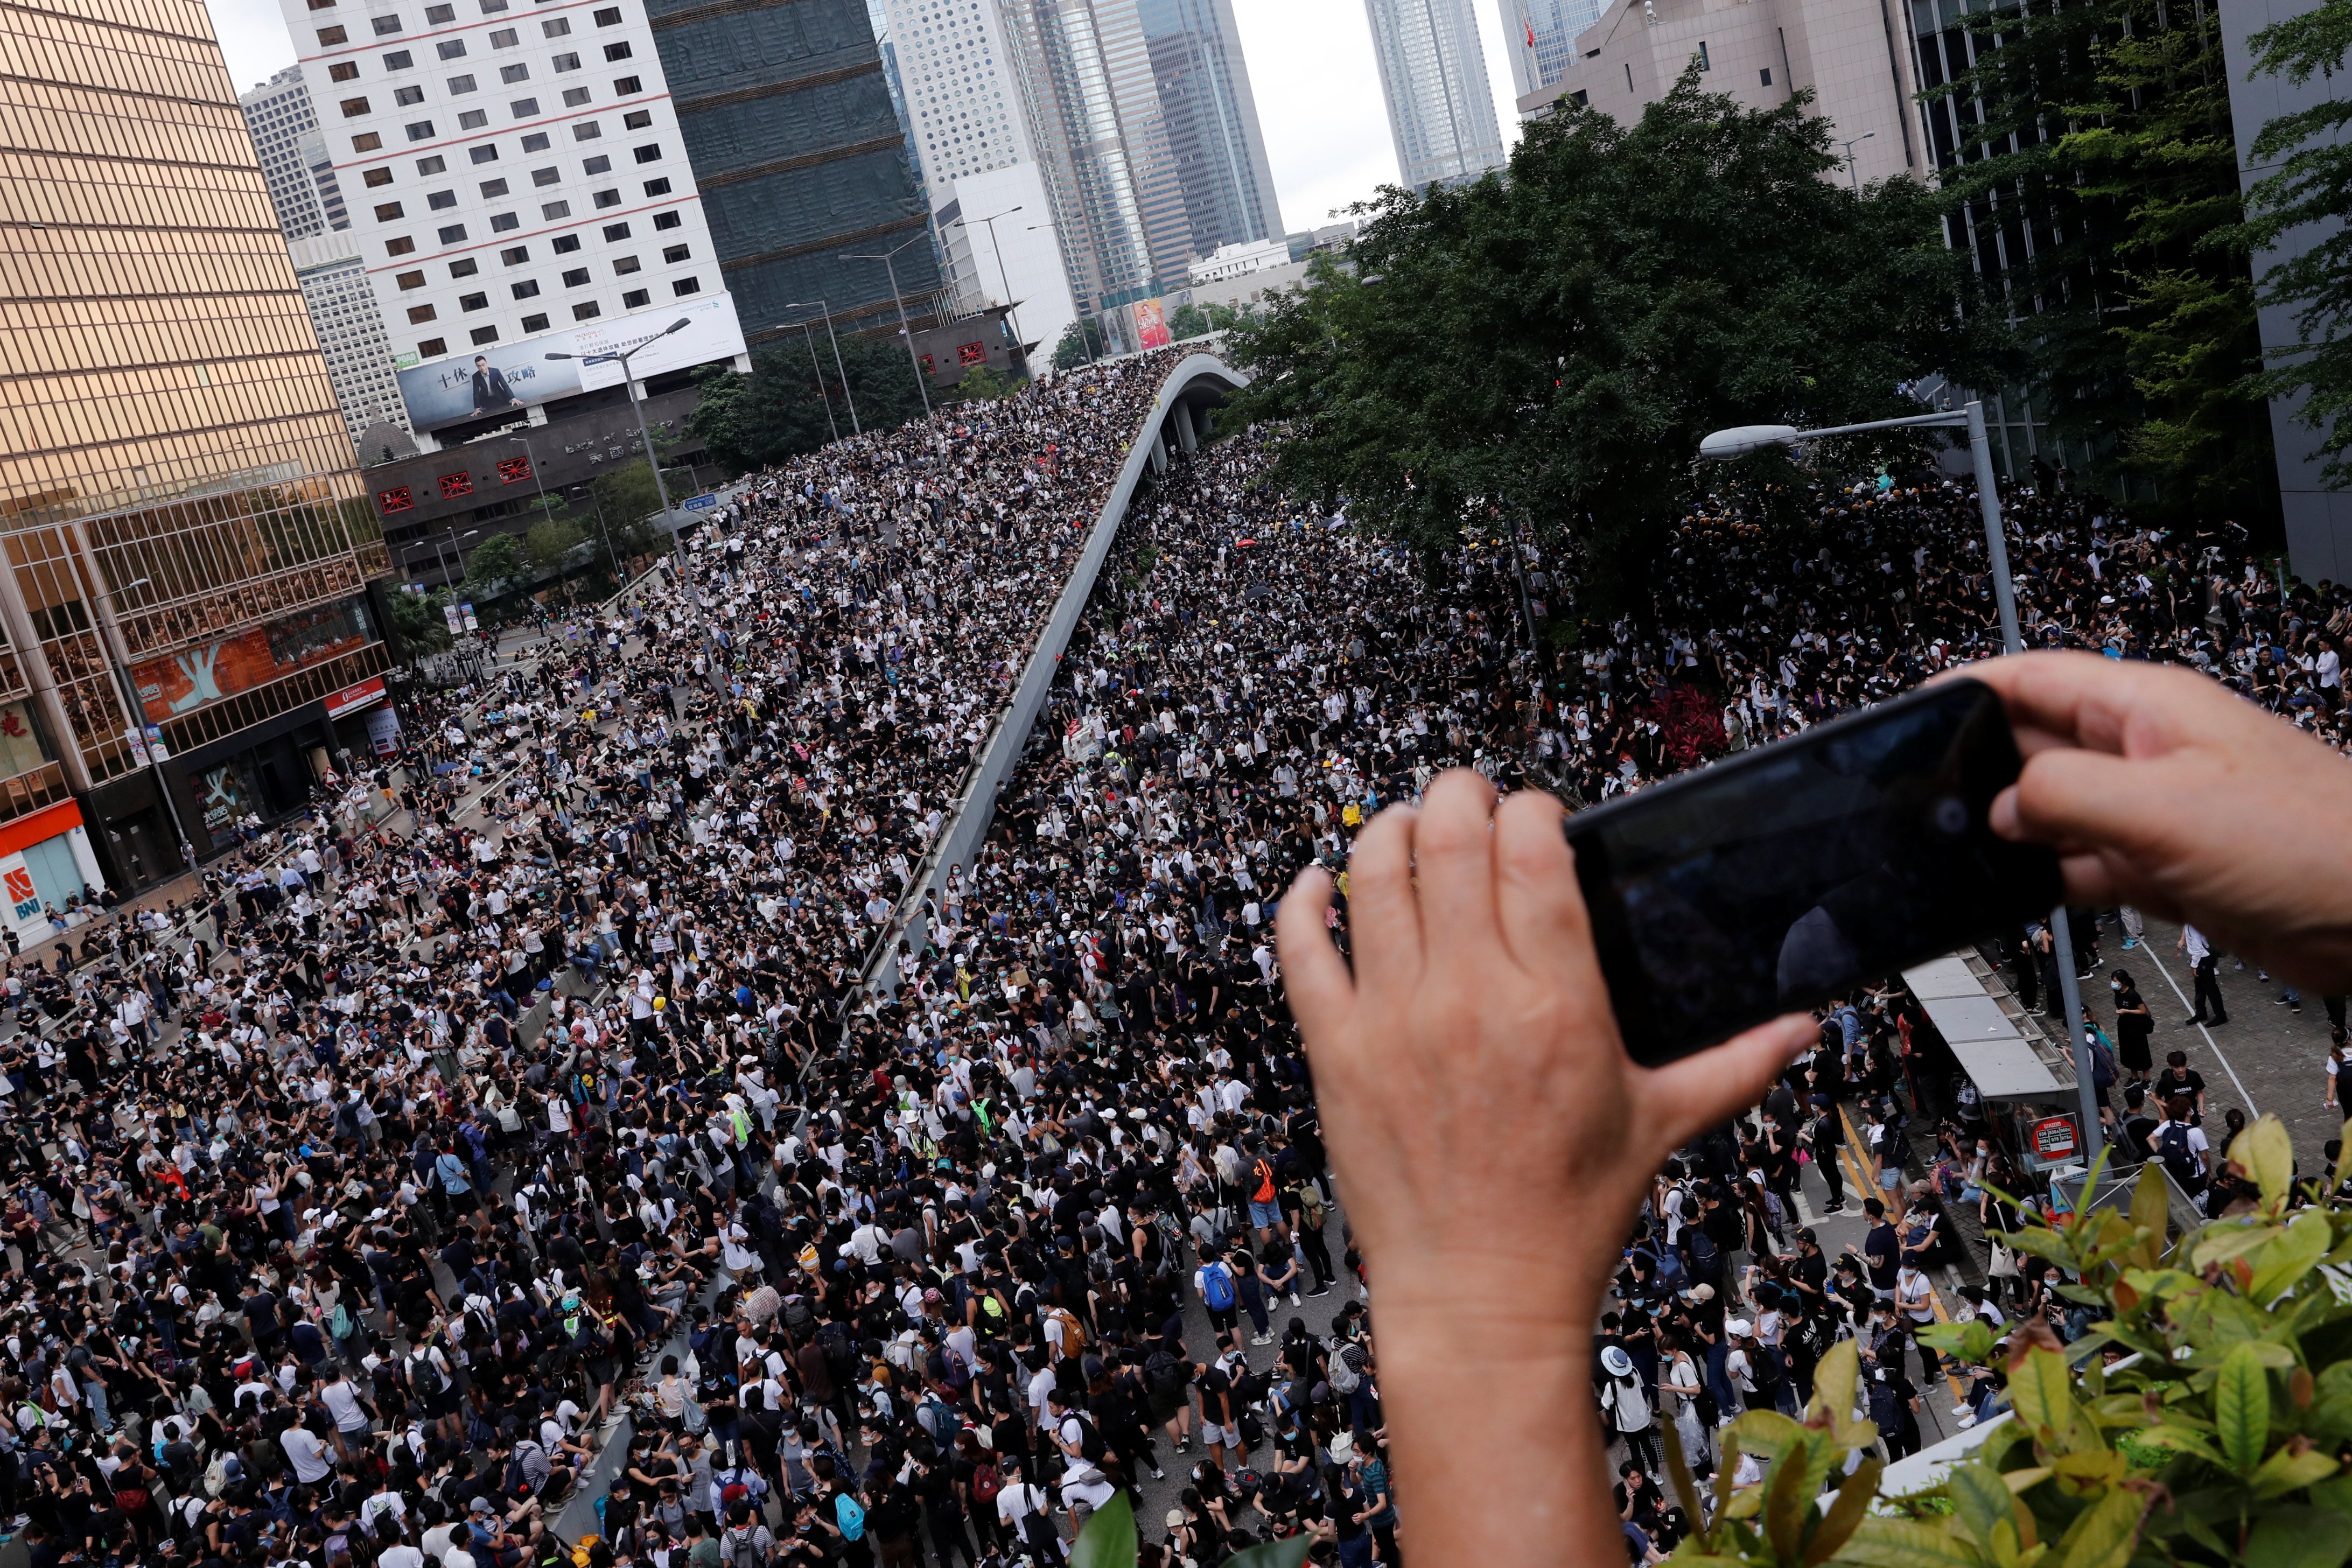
{"x":2163,"y":789}
{"x":1492,"y":1135}
{"x":1493,"y":1141}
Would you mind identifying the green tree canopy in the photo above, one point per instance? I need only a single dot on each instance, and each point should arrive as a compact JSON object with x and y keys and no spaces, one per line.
{"x":2312,"y":186}
{"x":419,"y":628}
{"x":2101,"y":128}
{"x":550,"y":542}
{"x":1554,"y":345}
{"x":778,"y":412}
{"x":1081,"y":341}
{"x":985,"y":384}
{"x":497,"y":560}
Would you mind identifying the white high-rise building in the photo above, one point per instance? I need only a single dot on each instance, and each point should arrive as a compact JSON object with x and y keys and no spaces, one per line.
{"x":1014,"y":262}
{"x":1434,"y":75}
{"x":518,"y":188}
{"x":962,"y":106}
{"x":316,"y":226}
{"x":351,"y":331}
{"x":279,"y":118}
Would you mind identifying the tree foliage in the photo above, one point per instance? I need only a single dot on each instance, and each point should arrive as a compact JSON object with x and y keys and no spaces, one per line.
{"x":419,"y":628}
{"x":1195,"y":321}
{"x":550,"y":542}
{"x":778,"y":412}
{"x":1554,"y":345}
{"x":2219,"y":1442}
{"x":2312,"y":186}
{"x":985,"y":384}
{"x":1082,"y":340}
{"x":2103,"y":175}
{"x":496,"y":561}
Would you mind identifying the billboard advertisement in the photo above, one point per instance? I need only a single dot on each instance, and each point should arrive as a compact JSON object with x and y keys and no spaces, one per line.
{"x":189,"y":679}
{"x":1151,"y":325}
{"x":503,"y":378}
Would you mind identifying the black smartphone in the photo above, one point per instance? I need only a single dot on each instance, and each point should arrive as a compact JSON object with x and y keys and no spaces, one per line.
{"x":1792,"y":873}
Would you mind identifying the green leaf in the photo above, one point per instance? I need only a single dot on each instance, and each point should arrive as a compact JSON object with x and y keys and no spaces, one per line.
{"x":2221,"y":1241}
{"x":1989,"y":1509}
{"x":1905,"y":1543}
{"x":2043,"y":1392}
{"x":1853,"y":1499}
{"x":2266,"y":1155}
{"x":1833,"y":1384}
{"x":2102,"y":1535}
{"x":1287,"y":1554}
{"x":1785,"y":1501}
{"x":2288,"y":1471}
{"x":1767,"y":1432}
{"x":1108,"y":1539}
{"x":2299,"y":1538}
{"x":2289,"y":1257}
{"x":1678,"y":1472}
{"x":2151,"y":1210}
{"x":2241,"y":1408}
{"x":1971,"y":1341}
{"x":2181,"y":1441}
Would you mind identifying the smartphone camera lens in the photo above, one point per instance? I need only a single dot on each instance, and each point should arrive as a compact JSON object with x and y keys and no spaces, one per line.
{"x":1952,"y":816}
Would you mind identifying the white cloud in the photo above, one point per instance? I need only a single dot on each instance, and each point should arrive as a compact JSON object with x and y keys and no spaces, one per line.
{"x":253,"y":36}
{"x":1318,"y":99}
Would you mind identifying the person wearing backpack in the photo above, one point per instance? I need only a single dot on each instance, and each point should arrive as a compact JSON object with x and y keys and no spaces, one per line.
{"x":1166,"y":1388}
{"x":2182,"y":1147}
{"x":1219,"y":1290}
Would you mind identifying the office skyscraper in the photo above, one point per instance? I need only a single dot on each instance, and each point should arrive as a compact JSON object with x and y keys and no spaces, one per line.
{"x":963,"y":108}
{"x":786,"y":115}
{"x":1540,"y":37}
{"x":1211,"y":120}
{"x":1434,"y":75}
{"x":521,"y":189}
{"x":186,"y":545}
{"x":328,"y":264}
{"x":284,"y":131}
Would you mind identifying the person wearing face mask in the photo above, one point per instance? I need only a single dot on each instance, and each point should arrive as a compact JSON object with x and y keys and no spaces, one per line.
{"x":2133,"y":1024}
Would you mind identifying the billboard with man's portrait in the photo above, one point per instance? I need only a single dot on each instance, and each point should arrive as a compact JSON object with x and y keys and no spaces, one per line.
{"x":505,"y":378}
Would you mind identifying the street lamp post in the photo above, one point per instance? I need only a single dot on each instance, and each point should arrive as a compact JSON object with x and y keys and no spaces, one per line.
{"x":652,"y":459}
{"x":1003,"y":277}
{"x":885,"y":257}
{"x":809,"y":336}
{"x":846,"y":395}
{"x":1725,"y":444}
{"x":1852,"y":171}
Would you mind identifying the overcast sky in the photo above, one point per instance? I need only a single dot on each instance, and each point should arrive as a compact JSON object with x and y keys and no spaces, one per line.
{"x":1310,"y":62}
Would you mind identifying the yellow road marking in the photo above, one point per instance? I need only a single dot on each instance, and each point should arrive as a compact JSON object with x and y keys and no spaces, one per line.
{"x":1862,"y":1172}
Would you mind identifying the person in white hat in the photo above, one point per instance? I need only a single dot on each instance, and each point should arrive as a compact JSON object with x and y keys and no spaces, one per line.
{"x":1626,"y":1403}
{"x":1739,"y":1370}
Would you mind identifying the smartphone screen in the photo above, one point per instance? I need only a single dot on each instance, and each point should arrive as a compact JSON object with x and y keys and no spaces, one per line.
{"x":1796,"y":872}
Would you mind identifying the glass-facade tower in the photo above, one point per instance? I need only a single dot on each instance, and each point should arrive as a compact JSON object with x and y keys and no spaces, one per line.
{"x":1433,"y":76}
{"x":178,"y":495}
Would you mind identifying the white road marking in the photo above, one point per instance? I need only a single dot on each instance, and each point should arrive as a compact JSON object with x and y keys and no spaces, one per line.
{"x":2217,"y":1055}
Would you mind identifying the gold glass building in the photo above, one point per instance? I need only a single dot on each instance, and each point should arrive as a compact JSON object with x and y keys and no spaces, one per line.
{"x":189,"y":551}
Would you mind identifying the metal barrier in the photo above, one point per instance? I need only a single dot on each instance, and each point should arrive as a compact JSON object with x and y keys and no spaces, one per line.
{"x":967,"y":823}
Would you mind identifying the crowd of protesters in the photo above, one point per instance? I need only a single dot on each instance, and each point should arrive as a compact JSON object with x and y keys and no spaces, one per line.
{"x":340,"y":1234}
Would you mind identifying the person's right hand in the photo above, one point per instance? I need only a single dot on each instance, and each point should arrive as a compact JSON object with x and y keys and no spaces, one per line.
{"x":2165,"y":790}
